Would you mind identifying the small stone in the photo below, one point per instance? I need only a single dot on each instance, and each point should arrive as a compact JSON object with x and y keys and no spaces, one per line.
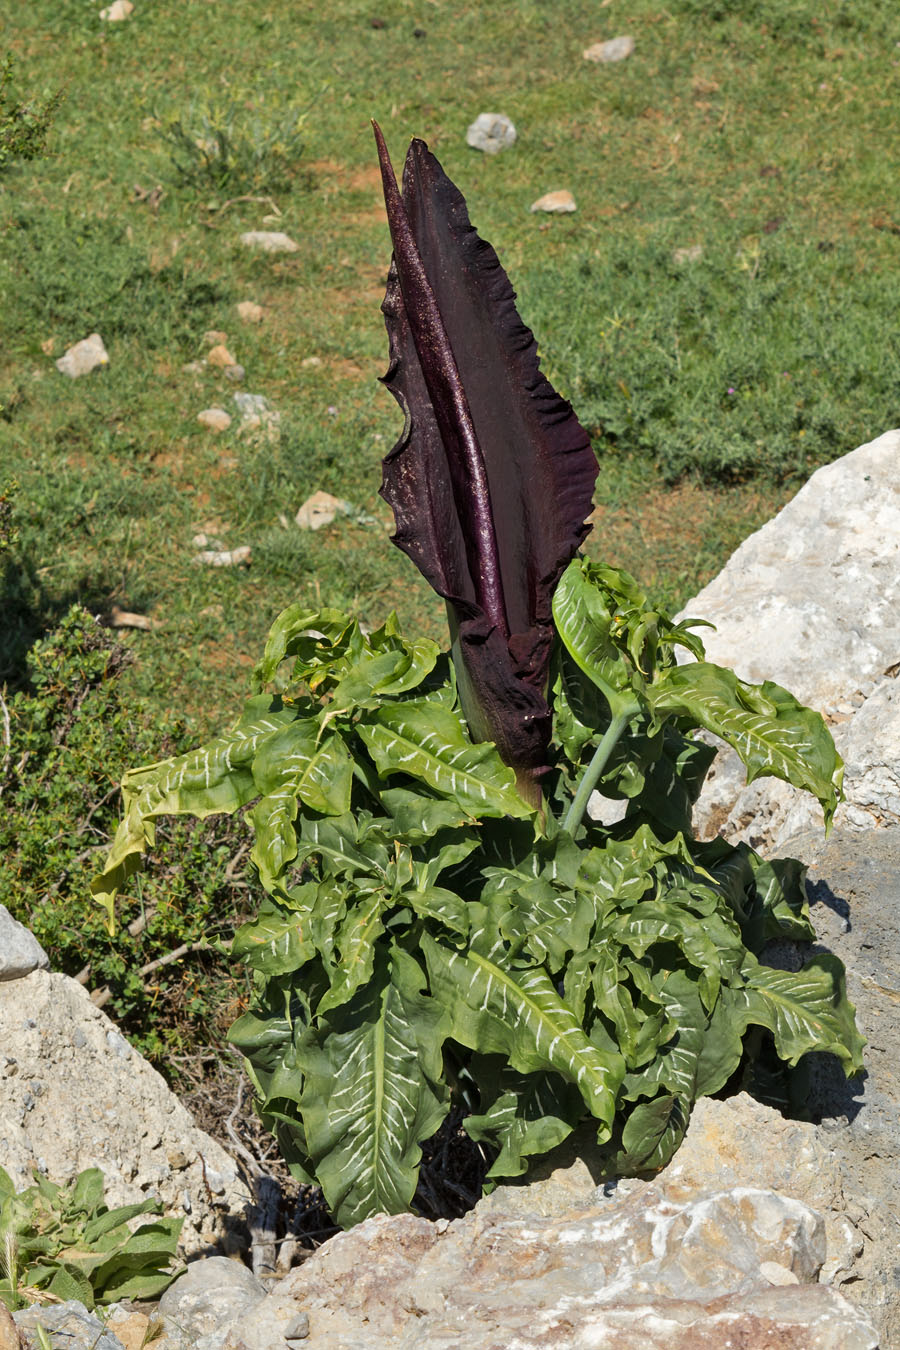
{"x":84,"y":357}
{"x":615,"y":49}
{"x":215,"y":419}
{"x":250,"y":312}
{"x":691,"y":253}
{"x":234,"y":557}
{"x":220,"y":356}
{"x":20,"y":951}
{"x":235,"y":373}
{"x":491,"y":132}
{"x":123,"y":618}
{"x":555,"y":202}
{"x":130,"y":1327}
{"x":320,"y":509}
{"x":777,"y":1274}
{"x":194,"y":368}
{"x":298,"y":1328}
{"x":312,"y":361}
{"x":214,"y":337}
{"x":269,"y":241}
{"x":117,"y":11}
{"x":208,"y":1296}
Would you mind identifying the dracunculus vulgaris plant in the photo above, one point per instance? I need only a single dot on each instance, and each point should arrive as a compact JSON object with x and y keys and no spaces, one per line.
{"x":442,"y":921}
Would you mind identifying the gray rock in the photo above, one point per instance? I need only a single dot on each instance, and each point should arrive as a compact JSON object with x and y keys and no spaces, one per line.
{"x":105,"y":1108}
{"x":491,"y":132}
{"x":84,"y":357}
{"x":269,"y":241}
{"x":614,"y":49}
{"x":855,"y":899}
{"x":195,"y":1311}
{"x":67,"y":1324}
{"x":20,"y":951}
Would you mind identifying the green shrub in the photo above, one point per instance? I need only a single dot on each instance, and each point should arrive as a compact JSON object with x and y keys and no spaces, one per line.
{"x":231,"y":148}
{"x":24,"y":126}
{"x":71,"y":735}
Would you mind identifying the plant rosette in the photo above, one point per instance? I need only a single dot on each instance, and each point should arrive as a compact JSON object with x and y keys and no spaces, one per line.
{"x":443,"y":921}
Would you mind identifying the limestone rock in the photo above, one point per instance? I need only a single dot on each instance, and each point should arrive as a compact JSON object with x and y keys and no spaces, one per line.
{"x":812,"y":601}
{"x":225,"y":557}
{"x":84,"y":357}
{"x":68,"y":1324}
{"x":74,"y":1094}
{"x":117,"y":11}
{"x":614,"y":49}
{"x":259,"y":420}
{"x":491,"y":132}
{"x":215,"y":419}
{"x":320,"y":509}
{"x":854,"y":891}
{"x":728,"y":1239}
{"x":690,"y":253}
{"x":220,"y":356}
{"x":236,"y":373}
{"x":555,"y":202}
{"x":20,"y":951}
{"x":250,"y":312}
{"x":196,"y":1309}
{"x":269,"y":241}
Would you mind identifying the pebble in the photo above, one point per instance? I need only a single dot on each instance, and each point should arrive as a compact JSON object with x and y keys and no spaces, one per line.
{"x":219,"y":355}
{"x":117,"y":11}
{"x":231,"y":557}
{"x":235,"y":373}
{"x":689,"y":254}
{"x":84,"y":357}
{"x":555,"y":202}
{"x":250,"y":312}
{"x":311,"y":361}
{"x":214,"y":419}
{"x":615,"y":49}
{"x":269,"y":241}
{"x":320,"y":509}
{"x":491,"y":132}
{"x":214,"y":336}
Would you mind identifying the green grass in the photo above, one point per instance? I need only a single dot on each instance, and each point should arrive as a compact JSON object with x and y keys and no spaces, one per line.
{"x":761,"y":132}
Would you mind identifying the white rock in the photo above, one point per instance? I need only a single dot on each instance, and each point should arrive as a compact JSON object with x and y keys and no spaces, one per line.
{"x":615,"y":49}
{"x":250,"y":312}
{"x":84,"y":357}
{"x":269,"y":241}
{"x":216,"y":419}
{"x":691,"y":253}
{"x":491,"y":132}
{"x":260,"y":422}
{"x":232,"y":557}
{"x":555,"y":202}
{"x":812,"y":601}
{"x":210,"y":1294}
{"x":100,"y":1108}
{"x":320,"y":509}
{"x":117,"y":11}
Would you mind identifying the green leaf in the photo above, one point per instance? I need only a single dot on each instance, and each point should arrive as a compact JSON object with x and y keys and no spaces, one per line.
{"x":520,"y":1014}
{"x":584,"y":621}
{"x":320,"y":640}
{"x":278,"y":940}
{"x":702,"y":1054}
{"x":805,"y":1010}
{"x":373,"y":1092}
{"x":87,"y":1192}
{"x":427,"y":741}
{"x":416,"y":817}
{"x":534,"y":1114}
{"x":652,"y":1134}
{"x":771,"y":732}
{"x":215,"y":778}
{"x":293,"y":767}
{"x":355,"y":941}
